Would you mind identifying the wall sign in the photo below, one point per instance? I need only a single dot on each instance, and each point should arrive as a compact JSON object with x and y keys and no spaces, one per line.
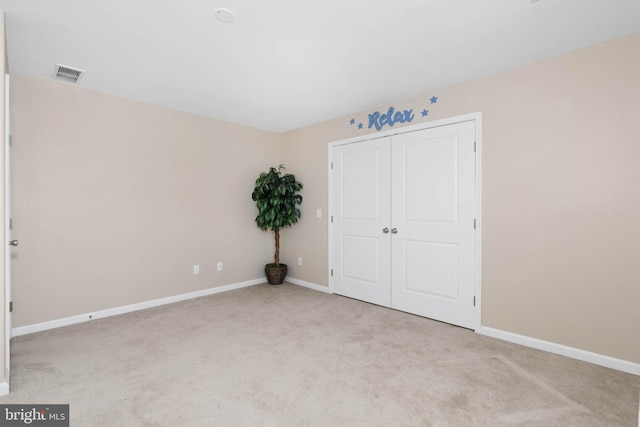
{"x":392,"y":116}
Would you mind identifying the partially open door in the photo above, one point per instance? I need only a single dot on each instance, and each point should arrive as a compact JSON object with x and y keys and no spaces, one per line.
{"x":7,"y":227}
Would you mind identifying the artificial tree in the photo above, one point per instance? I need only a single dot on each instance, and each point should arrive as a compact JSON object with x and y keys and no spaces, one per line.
{"x":276,"y":196}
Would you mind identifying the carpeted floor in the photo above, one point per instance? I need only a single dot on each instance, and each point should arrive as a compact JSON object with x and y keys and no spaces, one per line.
{"x":288,"y":356}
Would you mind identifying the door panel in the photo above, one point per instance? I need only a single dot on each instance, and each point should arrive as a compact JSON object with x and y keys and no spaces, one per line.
{"x":430,"y":180}
{"x":361,"y":184}
{"x":433,"y":252}
{"x":361,"y":197}
{"x":359,"y":253}
{"x":431,"y":269}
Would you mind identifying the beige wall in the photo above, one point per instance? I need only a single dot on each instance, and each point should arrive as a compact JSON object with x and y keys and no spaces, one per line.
{"x":561,"y":205}
{"x":116,"y":201}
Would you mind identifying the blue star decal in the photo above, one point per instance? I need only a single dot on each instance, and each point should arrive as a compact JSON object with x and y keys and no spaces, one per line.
{"x":352,"y":121}
{"x":434,"y":99}
{"x":360,"y":125}
{"x":425,"y":112}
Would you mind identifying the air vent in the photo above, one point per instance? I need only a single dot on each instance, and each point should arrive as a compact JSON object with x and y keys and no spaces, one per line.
{"x":66,"y":73}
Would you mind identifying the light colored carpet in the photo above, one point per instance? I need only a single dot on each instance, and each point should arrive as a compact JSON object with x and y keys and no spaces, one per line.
{"x":288,"y":356}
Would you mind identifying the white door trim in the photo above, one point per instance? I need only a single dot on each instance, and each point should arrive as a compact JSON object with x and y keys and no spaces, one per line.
{"x":7,"y":228}
{"x":477,"y":117}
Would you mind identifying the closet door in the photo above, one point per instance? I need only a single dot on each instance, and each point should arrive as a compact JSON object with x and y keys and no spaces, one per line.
{"x":433,"y":247}
{"x":361,"y":213}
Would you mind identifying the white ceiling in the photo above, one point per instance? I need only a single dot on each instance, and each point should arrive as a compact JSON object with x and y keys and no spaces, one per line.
{"x":284,"y":64}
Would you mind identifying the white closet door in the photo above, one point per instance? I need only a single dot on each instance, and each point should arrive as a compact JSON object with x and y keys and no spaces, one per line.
{"x":433,"y":193}
{"x":361,"y":198}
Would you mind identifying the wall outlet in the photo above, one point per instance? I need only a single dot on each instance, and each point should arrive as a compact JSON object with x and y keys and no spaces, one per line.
{"x":219,"y":266}
{"x":319,"y":213}
{"x":196,"y":269}
{"x":299,"y":260}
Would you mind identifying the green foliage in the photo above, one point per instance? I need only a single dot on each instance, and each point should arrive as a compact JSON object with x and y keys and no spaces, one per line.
{"x":276,"y":199}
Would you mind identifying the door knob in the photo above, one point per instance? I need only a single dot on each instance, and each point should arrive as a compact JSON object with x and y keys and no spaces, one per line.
{"x":394,"y":230}
{"x":385,"y":230}
{"x":13,"y":243}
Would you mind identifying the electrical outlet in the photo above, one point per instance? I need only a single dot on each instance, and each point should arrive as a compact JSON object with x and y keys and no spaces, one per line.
{"x":219,"y":266}
{"x":319,"y":213}
{"x":196,"y":269}
{"x":299,"y":260}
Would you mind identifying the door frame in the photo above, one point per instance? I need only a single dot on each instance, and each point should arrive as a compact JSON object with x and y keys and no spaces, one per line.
{"x":475,"y":117}
{"x":5,"y":386}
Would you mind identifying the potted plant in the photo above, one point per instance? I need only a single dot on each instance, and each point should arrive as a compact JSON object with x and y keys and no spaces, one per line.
{"x":276,"y":197}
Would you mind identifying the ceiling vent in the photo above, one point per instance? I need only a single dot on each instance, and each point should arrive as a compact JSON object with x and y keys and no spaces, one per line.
{"x":67,"y":74}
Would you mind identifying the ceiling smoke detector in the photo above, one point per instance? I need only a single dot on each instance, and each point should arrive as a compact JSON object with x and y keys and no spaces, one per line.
{"x":225,"y":15}
{"x":67,"y":74}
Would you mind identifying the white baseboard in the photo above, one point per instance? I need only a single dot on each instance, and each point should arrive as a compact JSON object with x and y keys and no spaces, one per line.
{"x":309,"y":285}
{"x":4,"y":388}
{"x":38,"y":327}
{"x":574,"y":353}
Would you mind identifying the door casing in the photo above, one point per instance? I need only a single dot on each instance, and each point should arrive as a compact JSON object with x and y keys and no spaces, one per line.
{"x":7,"y":219}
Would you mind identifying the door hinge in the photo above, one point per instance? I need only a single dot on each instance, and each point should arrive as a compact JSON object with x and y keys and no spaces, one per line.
{"x":331,"y":165}
{"x":474,"y":301}
{"x":474,"y":223}
{"x":474,"y":146}
{"x":11,"y":307}
{"x":332,"y":272}
{"x":10,"y":223}
{"x":331,"y":219}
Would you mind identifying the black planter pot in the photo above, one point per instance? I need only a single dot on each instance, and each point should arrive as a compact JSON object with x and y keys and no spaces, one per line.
{"x":275,"y":275}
